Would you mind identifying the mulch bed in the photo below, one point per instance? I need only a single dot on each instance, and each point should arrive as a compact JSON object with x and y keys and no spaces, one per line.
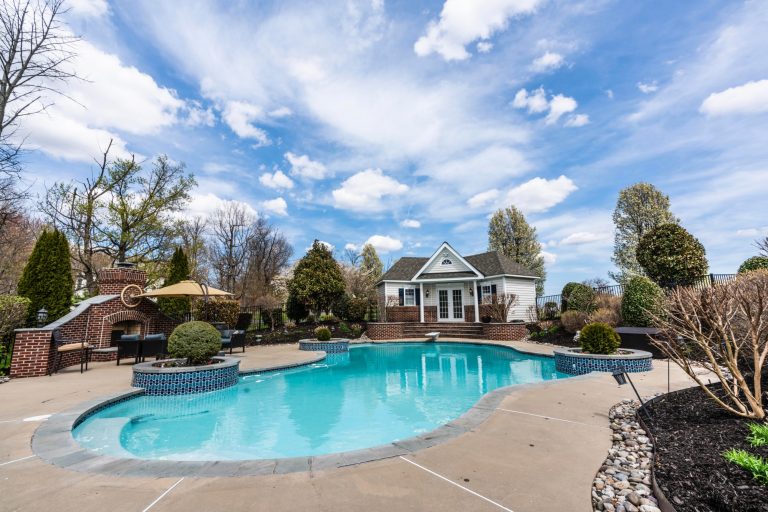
{"x":294,"y":334}
{"x":691,"y":433}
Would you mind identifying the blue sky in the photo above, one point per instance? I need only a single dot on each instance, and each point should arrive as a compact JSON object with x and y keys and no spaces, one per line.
{"x":407,"y":123}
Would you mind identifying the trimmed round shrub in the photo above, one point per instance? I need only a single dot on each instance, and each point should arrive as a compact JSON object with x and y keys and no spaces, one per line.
{"x":754,"y":263}
{"x":573,"y":320}
{"x":565,"y":293}
{"x":671,"y":256}
{"x":599,"y":338}
{"x":194,"y":341}
{"x":582,"y":298}
{"x":322,"y":333}
{"x":642,"y":300}
{"x":357,"y":309}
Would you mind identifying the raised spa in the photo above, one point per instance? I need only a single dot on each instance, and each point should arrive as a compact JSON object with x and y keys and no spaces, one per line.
{"x":372,"y":395}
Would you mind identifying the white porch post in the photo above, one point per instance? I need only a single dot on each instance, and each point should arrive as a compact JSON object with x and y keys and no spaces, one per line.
{"x":421,"y":302}
{"x":477,"y":305}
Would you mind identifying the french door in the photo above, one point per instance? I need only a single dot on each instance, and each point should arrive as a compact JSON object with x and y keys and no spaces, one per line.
{"x":450,"y":305}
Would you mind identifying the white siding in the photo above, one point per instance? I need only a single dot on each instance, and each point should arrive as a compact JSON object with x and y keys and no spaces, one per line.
{"x":525,"y":290}
{"x":456,"y":265}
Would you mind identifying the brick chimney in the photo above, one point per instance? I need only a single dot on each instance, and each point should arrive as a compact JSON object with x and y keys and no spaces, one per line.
{"x":113,"y":280}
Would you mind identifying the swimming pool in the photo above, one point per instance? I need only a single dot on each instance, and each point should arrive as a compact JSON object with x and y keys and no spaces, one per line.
{"x":372,"y":395}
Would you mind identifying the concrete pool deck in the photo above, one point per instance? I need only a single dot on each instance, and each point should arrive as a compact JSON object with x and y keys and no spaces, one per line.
{"x":539,"y":448}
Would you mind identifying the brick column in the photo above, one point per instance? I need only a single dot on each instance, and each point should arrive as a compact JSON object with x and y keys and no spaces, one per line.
{"x":31,"y":353}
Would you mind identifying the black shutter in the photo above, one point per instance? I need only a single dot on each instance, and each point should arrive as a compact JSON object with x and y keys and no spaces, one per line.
{"x":418,"y":296}
{"x":401,"y":294}
{"x":479,"y":294}
{"x":493,"y":289}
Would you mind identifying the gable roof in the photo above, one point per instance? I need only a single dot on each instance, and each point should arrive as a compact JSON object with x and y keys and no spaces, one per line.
{"x":445,"y":246}
{"x":491,"y":263}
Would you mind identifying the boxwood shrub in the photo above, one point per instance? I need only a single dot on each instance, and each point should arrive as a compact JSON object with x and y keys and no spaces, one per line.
{"x":323,"y":333}
{"x":194,"y":341}
{"x":642,"y":300}
{"x":599,"y":338}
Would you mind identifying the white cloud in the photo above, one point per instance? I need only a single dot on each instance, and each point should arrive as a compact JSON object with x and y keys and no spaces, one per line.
{"x":204,"y":205}
{"x":88,"y":8}
{"x":365,"y":190}
{"x":462,"y":22}
{"x":535,"y":102}
{"x":648,"y":88}
{"x":577,"y":120}
{"x":750,"y":98}
{"x":277,"y":206}
{"x":752,"y":232}
{"x":302,"y":166}
{"x":558,"y":106}
{"x":384,"y":244}
{"x":276,"y":180}
{"x":484,"y":46}
{"x":281,"y":112}
{"x":550,"y":61}
{"x":411,"y":223}
{"x":196,"y":115}
{"x":549,"y":257}
{"x":539,"y":194}
{"x":609,"y":93}
{"x":112,"y":97}
{"x":584,"y":237}
{"x":240,"y":116}
{"x":351,"y":247}
{"x":483,"y":198}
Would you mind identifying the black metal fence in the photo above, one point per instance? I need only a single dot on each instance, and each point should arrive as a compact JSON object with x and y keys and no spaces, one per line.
{"x":549,"y":306}
{"x":263,"y":318}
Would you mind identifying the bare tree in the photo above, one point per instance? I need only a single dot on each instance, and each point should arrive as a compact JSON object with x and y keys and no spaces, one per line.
{"x":34,"y":50}
{"x":17,"y":238}
{"x":498,"y":305}
{"x":193,"y":241}
{"x":268,"y":254}
{"x":76,"y":209}
{"x":762,"y":246}
{"x":231,"y":233}
{"x":723,"y":328}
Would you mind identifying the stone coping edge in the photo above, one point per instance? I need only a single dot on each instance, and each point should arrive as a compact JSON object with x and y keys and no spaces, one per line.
{"x":633,"y":354}
{"x":332,"y":340}
{"x":149,"y":367}
{"x":53,"y":441}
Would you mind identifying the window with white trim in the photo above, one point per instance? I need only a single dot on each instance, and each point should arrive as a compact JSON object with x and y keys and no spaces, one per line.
{"x":446,"y":261}
{"x":486,"y":290}
{"x":409,"y":297}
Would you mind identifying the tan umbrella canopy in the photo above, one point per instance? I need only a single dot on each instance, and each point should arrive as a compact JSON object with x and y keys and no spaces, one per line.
{"x":187,"y":288}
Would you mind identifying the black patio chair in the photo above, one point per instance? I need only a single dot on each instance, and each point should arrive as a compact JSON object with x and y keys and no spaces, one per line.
{"x":154,"y":345}
{"x":236,"y":339}
{"x":62,"y":346}
{"x":128,"y":346}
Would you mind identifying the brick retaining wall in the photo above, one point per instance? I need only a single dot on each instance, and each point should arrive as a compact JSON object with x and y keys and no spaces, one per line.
{"x":384,"y":331}
{"x":504,"y":332}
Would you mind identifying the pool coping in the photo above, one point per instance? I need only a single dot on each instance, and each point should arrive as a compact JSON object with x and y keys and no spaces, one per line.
{"x":53,"y":441}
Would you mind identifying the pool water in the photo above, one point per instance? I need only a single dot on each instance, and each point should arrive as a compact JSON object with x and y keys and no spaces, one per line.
{"x":373,"y":395}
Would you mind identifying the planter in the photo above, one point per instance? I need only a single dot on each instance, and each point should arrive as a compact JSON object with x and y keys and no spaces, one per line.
{"x":332,"y":346}
{"x":574,"y":362}
{"x":639,"y":338}
{"x":181,"y":380}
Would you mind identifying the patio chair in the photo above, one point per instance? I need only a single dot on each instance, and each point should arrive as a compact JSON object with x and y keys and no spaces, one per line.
{"x":128,"y":346}
{"x":236,"y":339}
{"x":64,"y":346}
{"x":154,"y":345}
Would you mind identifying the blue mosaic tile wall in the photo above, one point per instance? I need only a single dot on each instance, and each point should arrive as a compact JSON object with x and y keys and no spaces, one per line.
{"x":181,"y":383}
{"x":330,"y":347}
{"x":575,"y":365}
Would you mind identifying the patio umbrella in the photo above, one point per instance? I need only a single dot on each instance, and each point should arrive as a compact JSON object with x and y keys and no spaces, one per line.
{"x":187,"y":288}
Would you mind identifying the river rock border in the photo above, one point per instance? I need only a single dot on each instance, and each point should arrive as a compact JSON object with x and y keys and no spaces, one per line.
{"x":623,"y":483}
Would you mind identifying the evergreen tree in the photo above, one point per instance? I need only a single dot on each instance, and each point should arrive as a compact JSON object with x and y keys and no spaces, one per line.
{"x":639,"y":209}
{"x":317,"y":279}
{"x":510,"y":234}
{"x":47,"y":278}
{"x":371,"y":263}
{"x":178,"y":270}
{"x":672,"y":256}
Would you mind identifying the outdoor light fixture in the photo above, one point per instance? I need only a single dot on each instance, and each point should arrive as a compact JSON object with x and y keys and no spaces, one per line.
{"x":622,"y":377}
{"x":426,"y":293}
{"x":42,"y":317}
{"x":472,"y":292}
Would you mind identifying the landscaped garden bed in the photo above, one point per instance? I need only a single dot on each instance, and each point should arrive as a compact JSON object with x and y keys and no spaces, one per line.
{"x":691,"y":434}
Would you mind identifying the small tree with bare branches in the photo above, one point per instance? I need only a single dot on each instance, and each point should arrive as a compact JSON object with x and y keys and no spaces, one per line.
{"x":498,"y":305}
{"x":725,"y":329}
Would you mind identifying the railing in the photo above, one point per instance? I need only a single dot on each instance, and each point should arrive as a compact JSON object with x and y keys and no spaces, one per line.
{"x":549,"y":306}
{"x":261,"y":318}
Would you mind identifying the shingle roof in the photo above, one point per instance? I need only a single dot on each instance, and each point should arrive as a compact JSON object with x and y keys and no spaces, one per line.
{"x":490,"y":263}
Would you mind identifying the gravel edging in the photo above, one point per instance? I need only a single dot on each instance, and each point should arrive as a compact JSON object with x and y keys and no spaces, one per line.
{"x":623,"y":483}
